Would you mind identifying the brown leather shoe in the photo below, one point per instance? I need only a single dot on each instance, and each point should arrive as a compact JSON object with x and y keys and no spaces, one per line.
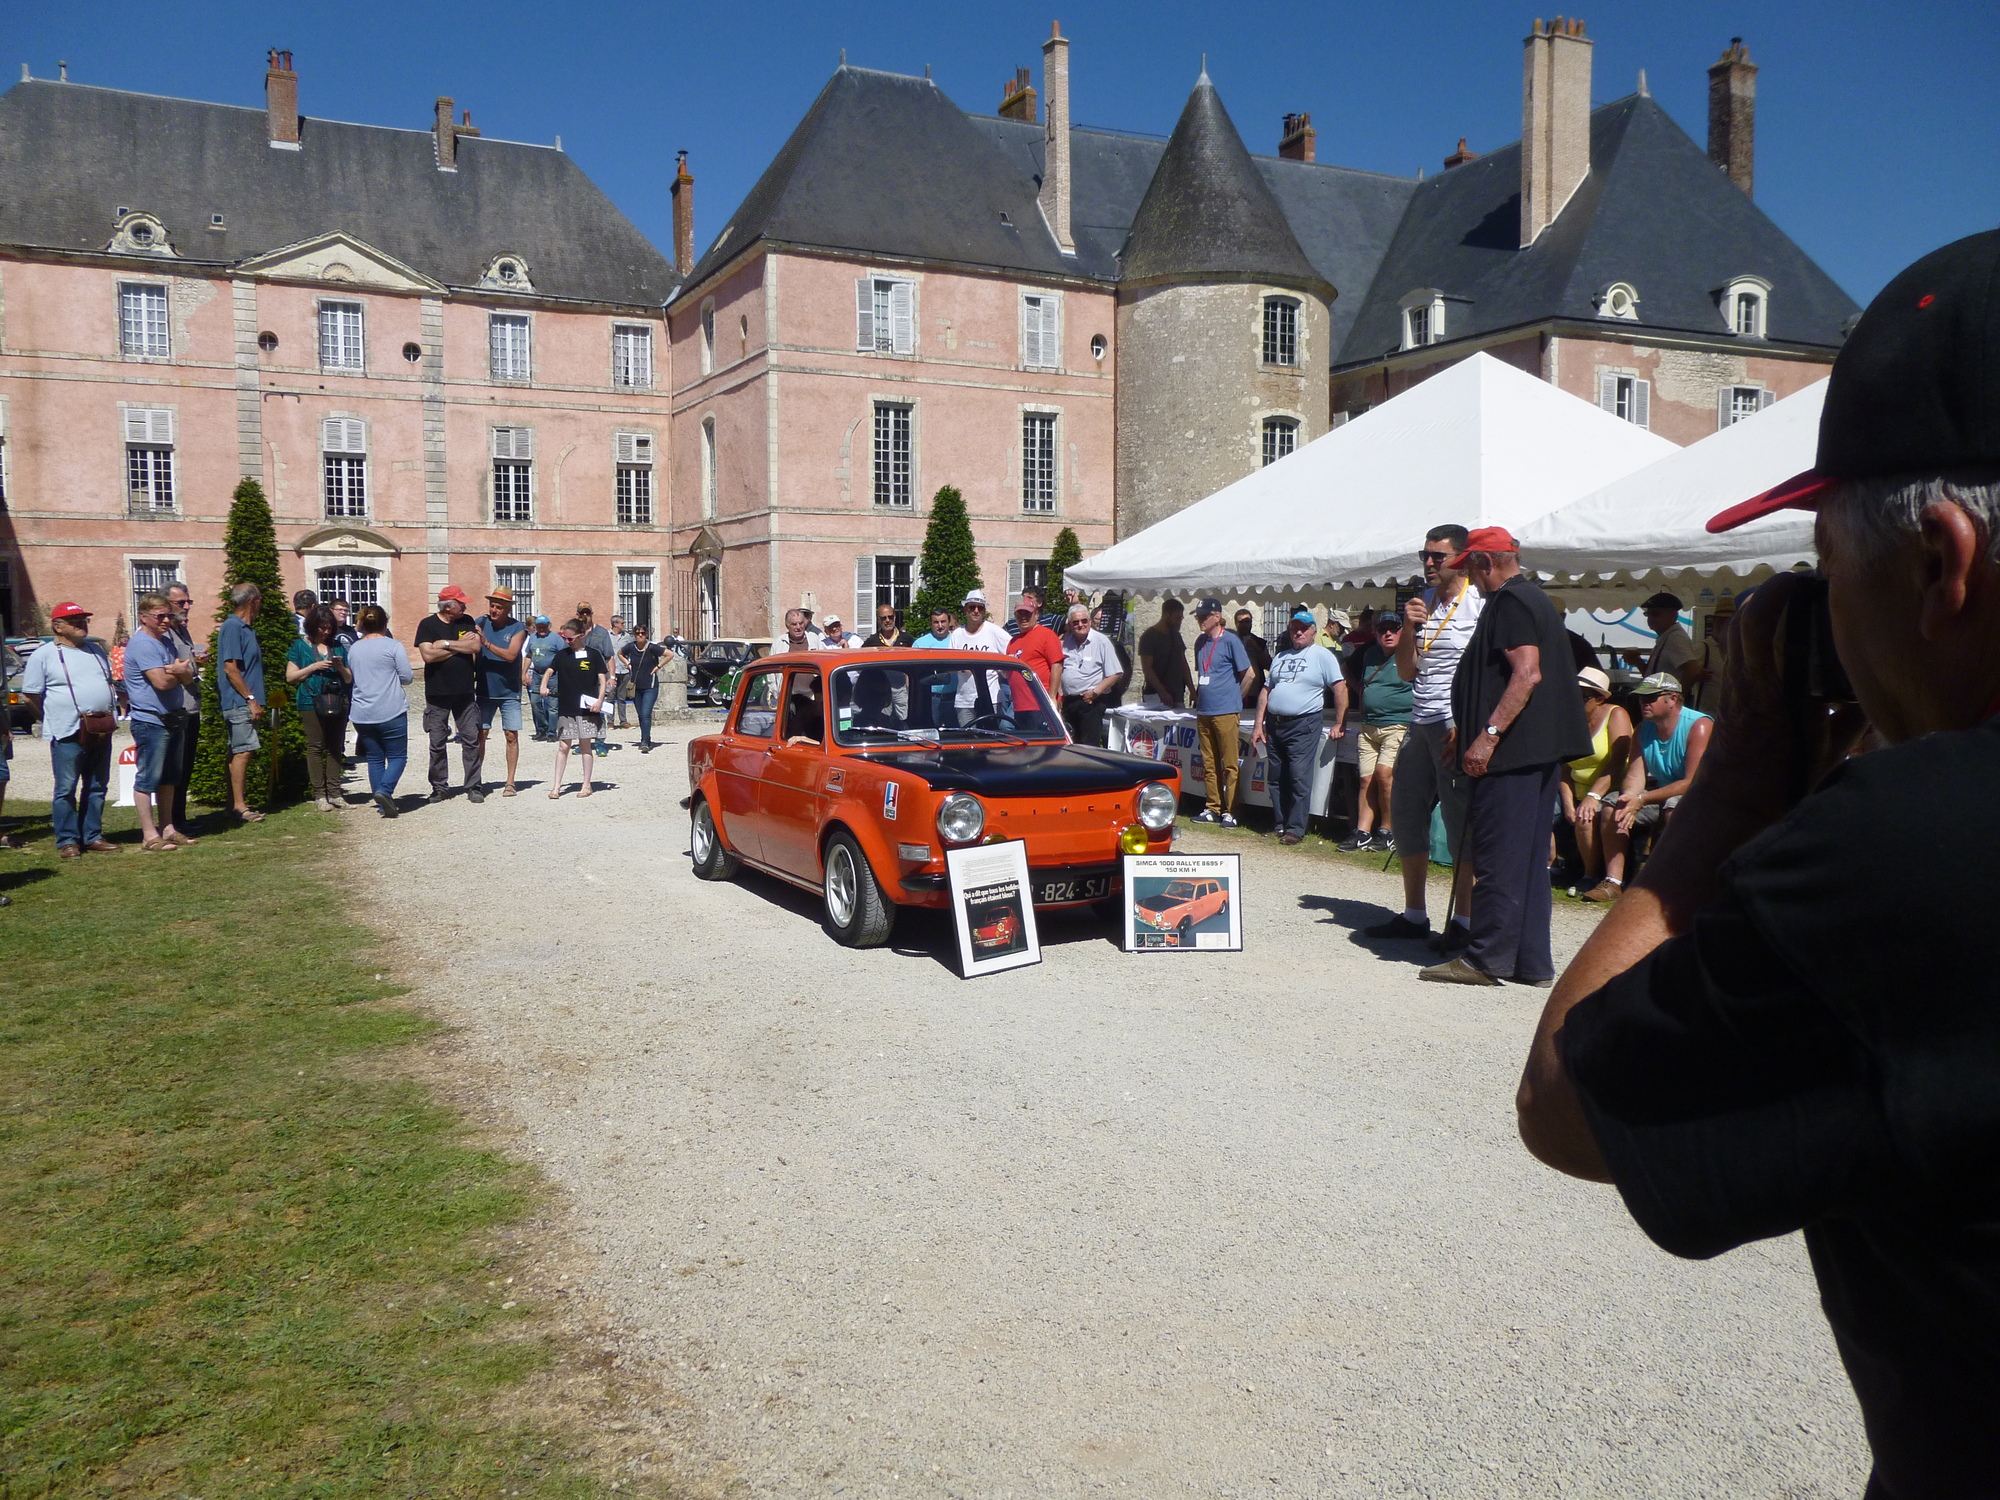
{"x":1456,"y":971}
{"x":103,"y":846}
{"x":1604,"y":892}
{"x":69,"y":851}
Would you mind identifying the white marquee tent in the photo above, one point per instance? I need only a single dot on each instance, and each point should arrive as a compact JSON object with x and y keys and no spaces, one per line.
{"x":1650,"y":525}
{"x":1480,"y":443}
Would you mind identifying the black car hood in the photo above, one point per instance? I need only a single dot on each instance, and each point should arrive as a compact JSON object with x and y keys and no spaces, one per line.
{"x":1026,"y":770}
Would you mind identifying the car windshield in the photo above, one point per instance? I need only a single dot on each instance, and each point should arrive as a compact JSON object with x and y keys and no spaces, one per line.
{"x":902,"y":701}
{"x":1181,"y":890}
{"x":719,"y":652}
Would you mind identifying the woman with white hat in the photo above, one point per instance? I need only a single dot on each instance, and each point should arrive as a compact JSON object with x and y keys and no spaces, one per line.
{"x":1589,"y":784}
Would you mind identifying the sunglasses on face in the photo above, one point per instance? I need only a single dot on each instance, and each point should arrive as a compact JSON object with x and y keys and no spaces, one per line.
{"x":1440,"y":558}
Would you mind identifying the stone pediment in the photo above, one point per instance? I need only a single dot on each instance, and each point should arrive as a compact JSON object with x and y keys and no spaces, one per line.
{"x":351,"y":541}
{"x":336,"y":259}
{"x":706,"y":544}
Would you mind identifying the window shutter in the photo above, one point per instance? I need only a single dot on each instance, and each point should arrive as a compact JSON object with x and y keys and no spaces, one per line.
{"x":1051,"y":334}
{"x":901,"y":320}
{"x":864,"y":597}
{"x":343,"y":435}
{"x":1723,"y":393}
{"x":1607,"y":392}
{"x":1766,"y":398}
{"x":148,"y":425}
{"x":1642,"y":394}
{"x":514,"y":442}
{"x":864,"y":314}
{"x":635,"y":448}
{"x":1014,"y":580}
{"x":1031,"y":331}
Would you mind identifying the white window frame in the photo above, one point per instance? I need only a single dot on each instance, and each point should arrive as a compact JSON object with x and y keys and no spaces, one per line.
{"x":1626,"y":396}
{"x":890,"y":300}
{"x":879,"y":485}
{"x":1266,"y":307}
{"x":1423,"y":318}
{"x":343,"y":446}
{"x":509,"y":574}
{"x":1728,"y":302}
{"x":705,"y":336}
{"x":1022,"y":572}
{"x":632,"y":463}
{"x":350,"y":573}
{"x":1034,"y":504}
{"x":172,"y":567}
{"x":1268,"y":427}
{"x":870,"y":584}
{"x":628,"y":612}
{"x":145,"y":332}
{"x":338,"y":308}
{"x":1736,"y":403}
{"x":3,"y":455}
{"x":626,"y":371}
{"x":1041,"y":330}
{"x":505,"y":362}
{"x":513,"y":453}
{"x":151,"y":431}
{"x":710,"y":487}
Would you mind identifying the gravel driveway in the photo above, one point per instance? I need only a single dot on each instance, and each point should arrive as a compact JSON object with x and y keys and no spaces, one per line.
{"x":1246,"y":1224}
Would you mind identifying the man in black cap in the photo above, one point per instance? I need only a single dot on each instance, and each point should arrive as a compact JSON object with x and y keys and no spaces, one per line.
{"x":1791,"y":1021}
{"x":1674,"y":652}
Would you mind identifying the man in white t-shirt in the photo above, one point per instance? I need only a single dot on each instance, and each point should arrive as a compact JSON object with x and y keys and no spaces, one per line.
{"x":980,"y":634}
{"x":1437,"y":625}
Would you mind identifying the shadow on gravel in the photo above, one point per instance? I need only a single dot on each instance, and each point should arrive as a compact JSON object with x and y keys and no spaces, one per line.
{"x":1355,"y":915}
{"x":924,"y":933}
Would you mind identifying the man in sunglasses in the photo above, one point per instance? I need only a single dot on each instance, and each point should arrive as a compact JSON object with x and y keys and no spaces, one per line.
{"x":1437,"y":625}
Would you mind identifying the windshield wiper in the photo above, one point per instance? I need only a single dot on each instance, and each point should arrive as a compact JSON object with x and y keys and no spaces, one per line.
{"x":998,"y":734}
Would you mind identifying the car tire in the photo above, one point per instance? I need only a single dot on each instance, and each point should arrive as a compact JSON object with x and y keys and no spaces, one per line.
{"x":711,"y":860}
{"x":858,"y":915}
{"x":1186,"y":926}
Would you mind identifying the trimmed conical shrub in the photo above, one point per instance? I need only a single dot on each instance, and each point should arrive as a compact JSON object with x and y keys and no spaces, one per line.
{"x":1066,"y":553}
{"x":950,"y":566}
{"x":277,"y":771}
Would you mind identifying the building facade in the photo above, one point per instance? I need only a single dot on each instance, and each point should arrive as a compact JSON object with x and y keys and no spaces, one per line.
{"x":442,"y":356}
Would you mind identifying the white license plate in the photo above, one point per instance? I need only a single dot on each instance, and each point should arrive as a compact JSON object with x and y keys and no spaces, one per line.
{"x":1051,"y":892}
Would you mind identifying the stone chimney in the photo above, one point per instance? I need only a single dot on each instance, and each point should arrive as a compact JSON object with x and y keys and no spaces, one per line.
{"x":1732,"y":114}
{"x":446,"y":135}
{"x":1055,"y":148}
{"x":683,"y":216}
{"x":1555,"y":122}
{"x":1017,"y":99}
{"x":1296,"y":142}
{"x":1461,"y":156}
{"x":281,"y":100}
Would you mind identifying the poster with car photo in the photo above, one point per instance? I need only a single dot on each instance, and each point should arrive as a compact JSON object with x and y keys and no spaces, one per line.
{"x":990,"y":905}
{"x":1183,"y":903}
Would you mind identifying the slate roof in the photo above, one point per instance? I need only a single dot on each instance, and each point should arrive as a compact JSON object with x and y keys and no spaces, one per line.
{"x":885,"y":164}
{"x":1208,"y":211}
{"x":71,"y":155}
{"x":1653,"y":212}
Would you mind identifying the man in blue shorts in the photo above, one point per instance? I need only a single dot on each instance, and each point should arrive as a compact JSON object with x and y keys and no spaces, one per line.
{"x":498,"y":689}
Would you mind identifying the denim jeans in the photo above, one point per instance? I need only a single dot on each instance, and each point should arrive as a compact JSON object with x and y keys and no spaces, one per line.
{"x":545,"y":715}
{"x":386,"y":748}
{"x":642,"y":703}
{"x":79,"y":773}
{"x":1295,"y":741}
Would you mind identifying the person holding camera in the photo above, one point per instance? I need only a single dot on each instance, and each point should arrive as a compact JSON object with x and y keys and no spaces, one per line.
{"x":1789,"y":1022}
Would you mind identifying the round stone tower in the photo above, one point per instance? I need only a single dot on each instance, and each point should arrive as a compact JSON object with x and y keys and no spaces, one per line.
{"x":1222,"y":325}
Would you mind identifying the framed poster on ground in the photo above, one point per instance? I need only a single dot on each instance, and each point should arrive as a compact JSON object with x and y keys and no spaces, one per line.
{"x":1183,"y":903}
{"x":990,"y":906}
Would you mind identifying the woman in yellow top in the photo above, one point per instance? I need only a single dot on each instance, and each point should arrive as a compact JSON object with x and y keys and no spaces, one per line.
{"x":1591,"y":779}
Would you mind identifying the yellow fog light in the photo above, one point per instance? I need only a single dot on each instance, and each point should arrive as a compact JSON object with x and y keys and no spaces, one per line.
{"x":1133,"y":840}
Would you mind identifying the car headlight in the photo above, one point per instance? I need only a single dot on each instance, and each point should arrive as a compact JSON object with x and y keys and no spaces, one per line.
{"x":1158,"y":806}
{"x":960,"y":818}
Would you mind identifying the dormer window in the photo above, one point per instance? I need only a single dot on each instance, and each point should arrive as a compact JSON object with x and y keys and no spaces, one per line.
{"x":1423,"y":318}
{"x":1619,"y":301}
{"x":139,"y":234}
{"x":507,"y":273}
{"x":1745,"y":304}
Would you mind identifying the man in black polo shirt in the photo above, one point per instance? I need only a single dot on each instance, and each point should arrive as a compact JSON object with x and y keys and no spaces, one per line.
{"x":1792,"y":1020}
{"x":1519,"y":721}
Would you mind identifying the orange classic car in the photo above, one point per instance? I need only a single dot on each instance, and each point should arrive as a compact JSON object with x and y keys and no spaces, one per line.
{"x":850,"y":773}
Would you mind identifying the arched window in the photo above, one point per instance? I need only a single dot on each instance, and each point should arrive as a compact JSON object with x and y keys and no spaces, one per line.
{"x":1281,"y":437}
{"x":708,"y":468}
{"x":707,"y":337}
{"x":1746,"y":305}
{"x":708,"y":601}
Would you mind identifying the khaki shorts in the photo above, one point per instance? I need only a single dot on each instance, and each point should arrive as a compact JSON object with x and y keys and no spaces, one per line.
{"x":1380,"y":745}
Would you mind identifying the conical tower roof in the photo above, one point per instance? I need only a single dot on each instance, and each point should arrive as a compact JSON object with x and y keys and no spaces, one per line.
{"x":1209,"y":214}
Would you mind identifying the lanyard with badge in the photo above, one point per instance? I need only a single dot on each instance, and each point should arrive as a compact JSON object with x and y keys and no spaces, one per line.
{"x":1424,"y":646}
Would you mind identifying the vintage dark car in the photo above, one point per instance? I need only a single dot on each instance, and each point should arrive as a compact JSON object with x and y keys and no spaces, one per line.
{"x":850,"y":773}
{"x":714,"y":664}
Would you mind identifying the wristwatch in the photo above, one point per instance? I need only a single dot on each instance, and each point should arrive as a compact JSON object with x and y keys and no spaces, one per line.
{"x":1494,"y":730}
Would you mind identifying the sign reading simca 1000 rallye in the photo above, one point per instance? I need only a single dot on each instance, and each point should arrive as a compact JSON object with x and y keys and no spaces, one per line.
{"x":850,"y":773}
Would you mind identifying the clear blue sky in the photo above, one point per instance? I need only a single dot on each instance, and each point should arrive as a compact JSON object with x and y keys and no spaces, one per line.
{"x":1878,"y":127}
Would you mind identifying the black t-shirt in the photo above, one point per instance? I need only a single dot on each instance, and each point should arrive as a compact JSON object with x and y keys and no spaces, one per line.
{"x":577,"y":670}
{"x":879,"y":641}
{"x":452,"y":677}
{"x":1165,"y":649}
{"x":1551,"y":725}
{"x":643,"y":664}
{"x":1822,"y":1051}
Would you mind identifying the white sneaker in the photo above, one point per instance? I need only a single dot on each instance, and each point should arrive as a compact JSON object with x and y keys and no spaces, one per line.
{"x":1228,"y":820}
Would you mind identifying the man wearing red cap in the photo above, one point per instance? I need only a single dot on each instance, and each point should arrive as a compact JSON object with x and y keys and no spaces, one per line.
{"x":1790,"y":1022}
{"x":449,"y":644}
{"x":1520,"y":720}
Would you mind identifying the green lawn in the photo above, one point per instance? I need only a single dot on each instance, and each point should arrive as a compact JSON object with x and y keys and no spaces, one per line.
{"x":234,"y":1260}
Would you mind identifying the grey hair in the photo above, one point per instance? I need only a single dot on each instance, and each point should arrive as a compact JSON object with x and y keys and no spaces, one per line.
{"x":1078,"y":609}
{"x":243,"y":593}
{"x":1882,"y":516}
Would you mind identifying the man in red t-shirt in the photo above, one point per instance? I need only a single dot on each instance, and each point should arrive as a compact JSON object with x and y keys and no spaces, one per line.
{"x":1036,"y":644}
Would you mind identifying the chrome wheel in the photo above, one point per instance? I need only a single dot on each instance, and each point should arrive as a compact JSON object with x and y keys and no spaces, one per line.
{"x":703,"y":837}
{"x":840,"y":884}
{"x":712,"y":859}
